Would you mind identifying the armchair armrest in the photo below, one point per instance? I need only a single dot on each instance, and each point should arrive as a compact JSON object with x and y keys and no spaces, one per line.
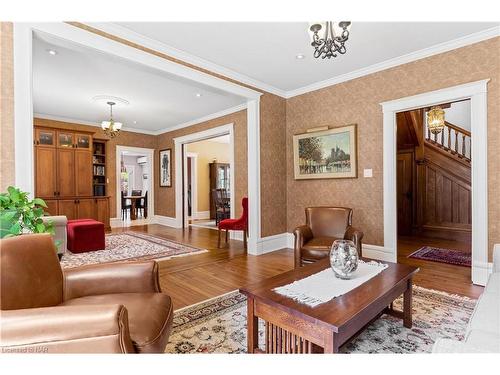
{"x":66,"y":329}
{"x":356,"y":236}
{"x":302,"y":234}
{"x":128,"y":277}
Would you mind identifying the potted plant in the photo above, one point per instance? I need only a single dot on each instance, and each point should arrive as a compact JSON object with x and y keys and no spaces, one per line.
{"x":19,"y":215}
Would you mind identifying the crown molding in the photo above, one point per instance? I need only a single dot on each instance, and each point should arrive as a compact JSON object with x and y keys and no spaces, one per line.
{"x":132,"y":36}
{"x":89,"y":123}
{"x":199,"y":120}
{"x":404,"y":59}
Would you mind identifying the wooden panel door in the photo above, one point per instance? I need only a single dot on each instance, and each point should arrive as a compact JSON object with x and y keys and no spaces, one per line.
{"x":51,"y":209}
{"x":83,"y":172}
{"x":68,"y":208}
{"x":102,"y":211}
{"x":405,"y":192}
{"x":85,"y":208}
{"x":66,"y":172}
{"x":45,"y":172}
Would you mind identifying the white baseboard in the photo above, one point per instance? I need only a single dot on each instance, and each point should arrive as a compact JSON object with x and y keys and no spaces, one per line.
{"x":481,"y":272}
{"x":167,"y":221}
{"x":377,"y":252}
{"x":201,"y":215}
{"x":272,"y":243}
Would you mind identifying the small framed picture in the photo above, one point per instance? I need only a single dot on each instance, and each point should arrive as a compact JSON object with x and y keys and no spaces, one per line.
{"x":166,"y":168}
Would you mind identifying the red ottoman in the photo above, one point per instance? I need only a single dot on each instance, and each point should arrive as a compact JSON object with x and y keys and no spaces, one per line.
{"x":85,"y":235}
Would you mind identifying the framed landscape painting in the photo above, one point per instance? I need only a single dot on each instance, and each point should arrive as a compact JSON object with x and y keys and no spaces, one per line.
{"x":166,"y":168}
{"x":330,"y":153}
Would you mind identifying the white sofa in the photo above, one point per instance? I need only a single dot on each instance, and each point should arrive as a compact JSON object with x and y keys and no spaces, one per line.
{"x":483,"y":331}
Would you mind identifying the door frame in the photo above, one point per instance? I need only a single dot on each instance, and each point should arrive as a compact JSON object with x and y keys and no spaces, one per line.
{"x":477,"y":93}
{"x":149,"y":153}
{"x":194,"y":184}
{"x":179,"y":142}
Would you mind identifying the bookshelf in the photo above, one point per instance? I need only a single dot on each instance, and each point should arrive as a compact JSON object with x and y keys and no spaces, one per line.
{"x":99,"y":167}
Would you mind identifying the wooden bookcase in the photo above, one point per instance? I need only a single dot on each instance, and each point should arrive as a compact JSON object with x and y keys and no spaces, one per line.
{"x":99,"y":168}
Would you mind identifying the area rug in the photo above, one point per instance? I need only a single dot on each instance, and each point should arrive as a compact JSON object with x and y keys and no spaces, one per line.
{"x":219,"y":326}
{"x":437,"y":254}
{"x":130,"y":246}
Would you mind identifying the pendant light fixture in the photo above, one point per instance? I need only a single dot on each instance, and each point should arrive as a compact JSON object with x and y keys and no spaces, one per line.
{"x":328,"y":38}
{"x":435,"y":120}
{"x":111,"y":127}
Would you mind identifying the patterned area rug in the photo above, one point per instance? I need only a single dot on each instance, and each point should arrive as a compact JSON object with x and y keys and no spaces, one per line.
{"x":219,"y":326}
{"x":437,"y":254}
{"x":130,"y":246}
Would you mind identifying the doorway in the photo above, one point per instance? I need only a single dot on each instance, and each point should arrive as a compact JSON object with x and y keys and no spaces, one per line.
{"x":434,"y":191}
{"x":208,"y":174}
{"x":134,"y":187}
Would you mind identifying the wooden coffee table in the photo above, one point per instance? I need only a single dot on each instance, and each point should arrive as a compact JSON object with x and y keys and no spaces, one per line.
{"x":292,"y":327}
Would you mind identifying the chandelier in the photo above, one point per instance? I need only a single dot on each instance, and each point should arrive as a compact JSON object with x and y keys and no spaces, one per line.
{"x":435,"y":120}
{"x":328,"y":38}
{"x":111,"y":127}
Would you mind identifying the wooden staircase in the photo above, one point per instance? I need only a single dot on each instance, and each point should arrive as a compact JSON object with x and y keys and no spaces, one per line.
{"x":453,"y":140}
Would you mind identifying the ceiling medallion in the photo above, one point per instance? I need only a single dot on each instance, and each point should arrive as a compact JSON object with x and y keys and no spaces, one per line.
{"x":435,"y":120}
{"x":328,"y":38}
{"x":111,"y":127}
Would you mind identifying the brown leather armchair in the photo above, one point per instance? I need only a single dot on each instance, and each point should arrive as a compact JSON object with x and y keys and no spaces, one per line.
{"x":111,"y":308}
{"x":323,"y":226}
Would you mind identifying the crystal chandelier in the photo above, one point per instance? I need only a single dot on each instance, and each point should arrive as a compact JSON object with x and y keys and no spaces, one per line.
{"x":328,"y":38}
{"x":435,"y":120}
{"x":111,"y":127}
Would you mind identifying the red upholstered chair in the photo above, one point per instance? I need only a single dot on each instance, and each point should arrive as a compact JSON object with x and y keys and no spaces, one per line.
{"x":236,"y":224}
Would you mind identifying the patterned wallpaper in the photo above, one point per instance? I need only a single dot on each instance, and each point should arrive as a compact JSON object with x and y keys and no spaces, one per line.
{"x":357,"y":101}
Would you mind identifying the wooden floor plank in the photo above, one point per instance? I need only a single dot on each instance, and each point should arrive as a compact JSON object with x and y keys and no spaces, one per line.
{"x":192,"y":279}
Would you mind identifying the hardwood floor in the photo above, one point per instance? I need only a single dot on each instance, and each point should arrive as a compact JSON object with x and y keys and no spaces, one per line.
{"x":192,"y":279}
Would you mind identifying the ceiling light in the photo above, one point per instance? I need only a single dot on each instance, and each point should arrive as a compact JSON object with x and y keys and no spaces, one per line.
{"x":328,"y":38}
{"x":110,"y":127}
{"x":299,"y":56}
{"x":435,"y":120}
{"x":52,"y":52}
{"x":198,"y":95}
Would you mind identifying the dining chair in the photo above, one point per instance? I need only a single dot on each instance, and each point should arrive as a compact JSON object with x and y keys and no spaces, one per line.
{"x":236,"y":224}
{"x":142,"y":204}
{"x":125,"y":206}
{"x":222,"y":205}
{"x":136,"y":193}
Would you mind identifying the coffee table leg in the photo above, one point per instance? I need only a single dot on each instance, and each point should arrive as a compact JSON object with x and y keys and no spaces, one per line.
{"x":407,"y":305}
{"x":252,"y":327}
{"x":330,"y":344}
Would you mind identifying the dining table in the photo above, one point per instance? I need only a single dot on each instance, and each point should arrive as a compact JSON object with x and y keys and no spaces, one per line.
{"x":133,"y":209}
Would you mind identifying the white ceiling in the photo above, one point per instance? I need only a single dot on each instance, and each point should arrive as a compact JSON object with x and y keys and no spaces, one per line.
{"x":64,"y":85}
{"x":265,"y":51}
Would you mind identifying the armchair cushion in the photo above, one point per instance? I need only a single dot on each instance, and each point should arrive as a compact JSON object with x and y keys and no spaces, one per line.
{"x":83,"y":329}
{"x":111,"y":278}
{"x":317,"y":248}
{"x":149,"y":316}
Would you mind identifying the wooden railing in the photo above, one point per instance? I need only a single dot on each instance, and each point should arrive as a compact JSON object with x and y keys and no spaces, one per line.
{"x":453,"y":139}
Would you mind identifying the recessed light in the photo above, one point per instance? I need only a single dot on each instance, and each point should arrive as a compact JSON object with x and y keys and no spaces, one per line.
{"x":299,"y":56}
{"x":52,"y":52}
{"x":135,"y":122}
{"x":198,"y":95}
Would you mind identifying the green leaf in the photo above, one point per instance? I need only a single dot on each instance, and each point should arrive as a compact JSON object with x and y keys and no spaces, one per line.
{"x":40,"y":228}
{"x":39,"y":202}
{"x":16,"y":229}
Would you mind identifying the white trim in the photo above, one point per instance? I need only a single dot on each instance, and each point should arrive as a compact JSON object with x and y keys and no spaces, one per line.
{"x":400,"y":60}
{"x":201,"y":215}
{"x":377,"y":252}
{"x":149,"y":152}
{"x":167,"y":221}
{"x":179,"y":161}
{"x":273,"y":243}
{"x":24,"y":165}
{"x":477,"y":93}
{"x":158,"y":46}
{"x":253,"y":155}
{"x":194,"y":177}
{"x":209,"y":117}
{"x":89,"y":123}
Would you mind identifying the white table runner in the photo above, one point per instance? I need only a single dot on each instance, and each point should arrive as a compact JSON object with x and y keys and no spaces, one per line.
{"x":324,"y":286}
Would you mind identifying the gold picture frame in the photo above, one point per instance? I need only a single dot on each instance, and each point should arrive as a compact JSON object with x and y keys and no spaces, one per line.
{"x":330,"y":153}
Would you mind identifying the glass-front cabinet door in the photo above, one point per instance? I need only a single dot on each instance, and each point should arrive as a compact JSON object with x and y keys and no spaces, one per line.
{"x":65,"y":139}
{"x":45,"y":137}
{"x":223,"y":177}
{"x":83,"y":141}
